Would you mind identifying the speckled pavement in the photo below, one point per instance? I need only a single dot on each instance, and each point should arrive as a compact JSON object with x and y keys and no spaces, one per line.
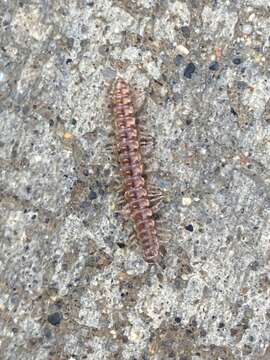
{"x":72,"y":286}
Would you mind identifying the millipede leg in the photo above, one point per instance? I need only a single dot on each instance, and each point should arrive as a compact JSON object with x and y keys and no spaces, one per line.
{"x":139,"y":98}
{"x":146,"y":143}
{"x":164,"y":235}
{"x":111,"y":148}
{"x":115,"y":184}
{"x":125,"y":212}
{"x":117,"y":188}
{"x":156,"y":198}
{"x":154,"y":188}
{"x":143,"y":130}
{"x":160,"y":224}
{"x":111,"y":134}
{"x":133,"y":241}
{"x":154,"y":191}
{"x":132,"y":238}
{"x":146,"y":149}
{"x":155,"y":208}
{"x":120,"y":202}
{"x":146,"y":139}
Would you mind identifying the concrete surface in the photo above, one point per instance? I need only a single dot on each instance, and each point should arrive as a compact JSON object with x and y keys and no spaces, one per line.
{"x":71,"y":284}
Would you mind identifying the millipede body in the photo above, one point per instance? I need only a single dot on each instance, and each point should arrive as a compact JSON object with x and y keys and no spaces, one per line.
{"x":131,"y":170}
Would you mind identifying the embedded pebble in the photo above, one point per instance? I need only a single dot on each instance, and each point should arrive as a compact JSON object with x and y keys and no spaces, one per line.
{"x":178,"y":60}
{"x":237,"y":61}
{"x":2,"y":76}
{"x":186,"y":31}
{"x":189,"y":70}
{"x":186,"y":201}
{"x":214,"y":66}
{"x":182,"y":50}
{"x":55,"y":318}
{"x":247,"y":29}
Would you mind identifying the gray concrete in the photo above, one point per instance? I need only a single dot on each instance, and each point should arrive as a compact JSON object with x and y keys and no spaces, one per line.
{"x":71,"y":284}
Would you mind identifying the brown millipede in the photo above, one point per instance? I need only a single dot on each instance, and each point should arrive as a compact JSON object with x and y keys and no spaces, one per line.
{"x":136,"y":194}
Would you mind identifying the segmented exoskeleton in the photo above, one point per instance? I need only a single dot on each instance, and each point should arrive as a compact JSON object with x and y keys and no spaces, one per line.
{"x":132,"y":172}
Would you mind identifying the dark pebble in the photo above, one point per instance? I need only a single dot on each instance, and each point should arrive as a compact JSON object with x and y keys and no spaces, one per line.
{"x":237,"y":61}
{"x":70,"y":43}
{"x":92,"y":195}
{"x":189,"y":227}
{"x":189,"y":70}
{"x":214,"y":66}
{"x":86,"y":204}
{"x":203,"y":333}
{"x":233,"y":111}
{"x":74,"y":122}
{"x":55,"y":318}
{"x":51,"y":122}
{"x":25,"y":109}
{"x":68,"y":61}
{"x":177,"y":320}
{"x":242,"y":85}
{"x":185,"y":31}
{"x":125,"y":339}
{"x":188,"y":121}
{"x":254,"y":265}
{"x":178,"y":60}
{"x":121,"y":245}
{"x":47,"y":332}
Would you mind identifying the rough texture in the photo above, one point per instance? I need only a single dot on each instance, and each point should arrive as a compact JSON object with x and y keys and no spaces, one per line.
{"x":71,"y":285}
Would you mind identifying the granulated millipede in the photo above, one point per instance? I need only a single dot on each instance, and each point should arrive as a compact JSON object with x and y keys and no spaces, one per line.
{"x":135,"y":191}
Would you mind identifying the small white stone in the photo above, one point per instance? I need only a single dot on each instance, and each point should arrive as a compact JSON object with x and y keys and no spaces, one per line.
{"x":163,"y":91}
{"x":247,"y":29}
{"x":184,"y":277}
{"x":251,"y":17}
{"x":178,"y":122}
{"x":2,"y":76}
{"x":135,"y":335}
{"x":182,"y":50}
{"x":153,"y":70}
{"x":186,"y":201}
{"x":203,"y":151}
{"x":114,"y":334}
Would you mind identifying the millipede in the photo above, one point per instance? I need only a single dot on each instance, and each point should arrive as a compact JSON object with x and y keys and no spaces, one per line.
{"x":136,"y":195}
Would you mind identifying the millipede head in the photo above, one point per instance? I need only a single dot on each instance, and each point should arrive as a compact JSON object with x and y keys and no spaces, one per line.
{"x":119,"y":83}
{"x":121,"y":87}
